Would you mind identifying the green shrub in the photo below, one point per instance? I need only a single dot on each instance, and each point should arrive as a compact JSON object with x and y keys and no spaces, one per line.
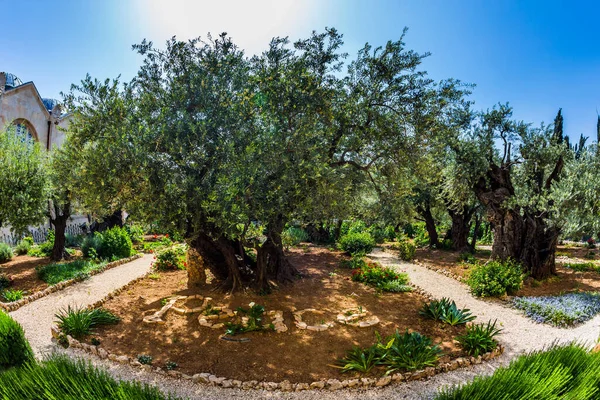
{"x":467,"y":258}
{"x":60,"y":377}
{"x":90,"y":246}
{"x":5,"y":281}
{"x":406,"y":250}
{"x":495,"y":278}
{"x":560,"y":372}
{"x":446,"y":311}
{"x":378,"y":233}
{"x":170,"y":259}
{"x":255,"y":315}
{"x":12,"y":295}
{"x":79,"y":322}
{"x":357,"y":243}
{"x":479,"y":338}
{"x":397,"y":286}
{"x":45,"y":248}
{"x":583,"y":267}
{"x":58,"y":272}
{"x":359,"y":359}
{"x":356,"y":262}
{"x":293,"y":236}
{"x":14,"y":348}
{"x":145,"y":359}
{"x":116,"y":244}
{"x":135,"y":232}
{"x":73,"y":240}
{"x":375,"y":275}
{"x":6,"y":253}
{"x":24,"y":245}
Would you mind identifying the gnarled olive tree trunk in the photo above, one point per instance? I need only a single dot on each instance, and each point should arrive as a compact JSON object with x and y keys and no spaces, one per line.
{"x":520,"y":234}
{"x":425,"y":212}
{"x":460,"y":229}
{"x":58,"y":218}
{"x":271,"y":262}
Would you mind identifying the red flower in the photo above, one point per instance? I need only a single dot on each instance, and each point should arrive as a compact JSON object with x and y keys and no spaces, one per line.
{"x":167,"y":235}
{"x":155,"y":236}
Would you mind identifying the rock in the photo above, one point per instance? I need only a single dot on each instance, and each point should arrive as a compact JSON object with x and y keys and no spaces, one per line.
{"x":136,"y":363}
{"x":430,"y":371}
{"x":366,"y":382}
{"x":236,"y":383}
{"x":174,"y":374}
{"x":227,"y":383}
{"x":103,"y":354}
{"x":112,"y":357}
{"x":272,"y":386}
{"x":353,"y":383}
{"x":386,"y":380}
{"x":217,"y":326}
{"x":215,"y":380}
{"x":334,"y":384}
{"x":397,"y":377}
{"x":317,"y":385}
{"x":201,"y":378}
{"x":249,"y":385}
{"x":146,"y":367}
{"x":55,"y":331}
{"x":301,"y":325}
{"x":122,"y":359}
{"x":286,"y":386}
{"x":302,"y":386}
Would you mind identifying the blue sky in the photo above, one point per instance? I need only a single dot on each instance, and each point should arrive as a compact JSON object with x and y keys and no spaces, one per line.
{"x":537,"y":55}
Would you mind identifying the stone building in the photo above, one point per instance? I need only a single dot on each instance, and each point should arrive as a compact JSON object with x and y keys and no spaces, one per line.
{"x":22,"y":106}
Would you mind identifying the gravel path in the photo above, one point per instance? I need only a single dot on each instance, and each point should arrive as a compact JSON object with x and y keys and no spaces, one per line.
{"x":519,"y":335}
{"x":37,"y":317}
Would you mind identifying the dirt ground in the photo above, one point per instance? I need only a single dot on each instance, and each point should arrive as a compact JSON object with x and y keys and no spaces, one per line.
{"x":296,"y":355}
{"x":21,"y":269}
{"x":565,"y":281}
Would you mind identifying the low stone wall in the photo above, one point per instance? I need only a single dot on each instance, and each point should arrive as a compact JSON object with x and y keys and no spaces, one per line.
{"x":286,"y":386}
{"x":9,"y":307}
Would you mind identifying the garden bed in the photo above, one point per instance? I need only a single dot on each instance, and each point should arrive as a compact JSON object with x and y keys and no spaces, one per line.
{"x":567,"y":280}
{"x":22,"y":271}
{"x":295,"y":355}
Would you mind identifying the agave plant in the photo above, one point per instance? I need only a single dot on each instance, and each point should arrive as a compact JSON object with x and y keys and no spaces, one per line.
{"x":446,"y":311}
{"x":359,"y":359}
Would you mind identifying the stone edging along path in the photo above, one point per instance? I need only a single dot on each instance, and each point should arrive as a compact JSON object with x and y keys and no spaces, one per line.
{"x":13,"y":306}
{"x":330,"y":384}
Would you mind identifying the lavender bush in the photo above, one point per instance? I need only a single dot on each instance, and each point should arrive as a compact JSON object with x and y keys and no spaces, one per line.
{"x":563,"y":310}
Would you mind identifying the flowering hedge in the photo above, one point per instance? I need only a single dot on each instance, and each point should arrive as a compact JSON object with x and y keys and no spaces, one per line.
{"x":564,"y":310}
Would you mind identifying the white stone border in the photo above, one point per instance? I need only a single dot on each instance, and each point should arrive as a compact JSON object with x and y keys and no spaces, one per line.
{"x":13,"y":306}
{"x":300,"y":324}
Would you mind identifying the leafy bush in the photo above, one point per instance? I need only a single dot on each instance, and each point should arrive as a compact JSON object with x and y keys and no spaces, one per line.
{"x":6,"y":253}
{"x":564,"y":310}
{"x":467,"y":258}
{"x":406,"y":250}
{"x":375,"y":275}
{"x":73,"y":240}
{"x":135,"y":232}
{"x":356,"y":262}
{"x":170,"y":259}
{"x":171,"y":366}
{"x":79,"y":322}
{"x":45,"y":248}
{"x":255,"y":316}
{"x":58,"y":272}
{"x":446,"y":311}
{"x":24,"y":245}
{"x":560,"y":372}
{"x":12,"y":295}
{"x":583,"y":267}
{"x":60,"y":377}
{"x":116,"y":244}
{"x":479,"y":338}
{"x":378,"y":233}
{"x":90,"y":246}
{"x":5,"y":281}
{"x":357,"y":243}
{"x":293,"y":236}
{"x":495,"y":278}
{"x":397,"y":286}
{"x":14,"y":348}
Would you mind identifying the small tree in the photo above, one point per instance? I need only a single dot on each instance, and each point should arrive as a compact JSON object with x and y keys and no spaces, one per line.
{"x":23,"y":182}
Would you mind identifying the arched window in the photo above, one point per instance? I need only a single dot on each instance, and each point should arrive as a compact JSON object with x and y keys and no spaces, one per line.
{"x":24,"y":130}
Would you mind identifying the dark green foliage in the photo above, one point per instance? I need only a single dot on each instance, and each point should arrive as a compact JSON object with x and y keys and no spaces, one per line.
{"x":73,"y":240}
{"x":6,"y":253}
{"x":45,"y":248}
{"x":374,"y":274}
{"x":356,"y":262}
{"x":405,"y":248}
{"x":95,"y":341}
{"x":116,"y":244}
{"x":359,"y":359}
{"x":90,"y":246}
{"x":59,"y":377}
{"x":170,"y":259}
{"x":171,"y":366}
{"x":79,"y":322}
{"x":145,"y":359}
{"x":446,"y":311}
{"x":135,"y":232}
{"x":560,"y":372}
{"x":293,"y":236}
{"x":12,"y":295}
{"x":24,"y":245}
{"x":58,"y":272}
{"x":495,"y":278}
{"x":356,"y":243}
{"x":408,"y":351}
{"x":5,"y":281}
{"x":583,"y":267}
{"x":14,"y":348}
{"x":467,"y":258}
{"x":479,"y":338}
{"x":255,"y":317}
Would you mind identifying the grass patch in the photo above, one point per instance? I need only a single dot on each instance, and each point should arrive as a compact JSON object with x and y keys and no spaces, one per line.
{"x":11,"y":295}
{"x":568,"y":372}
{"x":58,"y":272}
{"x":79,"y":322}
{"x":564,"y":310}
{"x":583,"y":267}
{"x":61,"y":378}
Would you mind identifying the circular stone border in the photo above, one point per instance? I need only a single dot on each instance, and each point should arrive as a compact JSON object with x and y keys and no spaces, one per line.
{"x":300,"y":324}
{"x":14,"y":306}
{"x":357,"y":318}
{"x":205,"y":378}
